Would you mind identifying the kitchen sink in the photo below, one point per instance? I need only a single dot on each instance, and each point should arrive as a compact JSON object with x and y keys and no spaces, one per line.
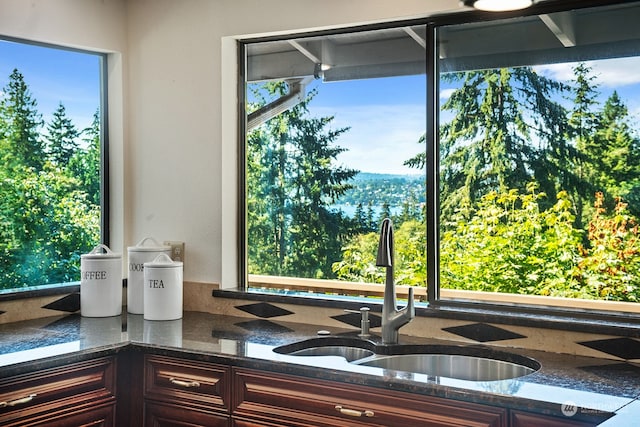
{"x":349,"y":353}
{"x":470,"y":363}
{"x":349,"y":348}
{"x":462,"y":367}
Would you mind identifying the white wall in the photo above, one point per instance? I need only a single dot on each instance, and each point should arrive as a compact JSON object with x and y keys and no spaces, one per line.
{"x":172,"y":102}
{"x":97,"y":25}
{"x":182,"y":112}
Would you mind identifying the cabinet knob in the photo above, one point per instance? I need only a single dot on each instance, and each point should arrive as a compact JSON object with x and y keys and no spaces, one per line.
{"x":183,"y":383}
{"x":353,"y":412}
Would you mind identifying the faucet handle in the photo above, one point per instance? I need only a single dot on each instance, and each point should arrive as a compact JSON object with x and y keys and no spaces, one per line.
{"x":364,"y":320}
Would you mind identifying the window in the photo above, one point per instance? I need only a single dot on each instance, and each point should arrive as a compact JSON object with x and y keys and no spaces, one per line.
{"x":520,"y":174}
{"x":51,"y":145}
{"x":540,"y":155}
{"x":323,"y":111}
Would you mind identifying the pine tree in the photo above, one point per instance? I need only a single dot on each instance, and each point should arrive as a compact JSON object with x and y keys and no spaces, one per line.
{"x":85,"y":163}
{"x":62,"y":137}
{"x":292,"y":180}
{"x":487,"y":145}
{"x":21,"y":122}
{"x":576,"y":161}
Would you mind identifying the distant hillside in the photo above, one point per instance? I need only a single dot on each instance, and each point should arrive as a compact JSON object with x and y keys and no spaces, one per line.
{"x":384,"y":188}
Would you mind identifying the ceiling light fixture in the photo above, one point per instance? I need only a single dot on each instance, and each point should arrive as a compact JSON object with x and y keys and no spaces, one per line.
{"x":498,"y":5}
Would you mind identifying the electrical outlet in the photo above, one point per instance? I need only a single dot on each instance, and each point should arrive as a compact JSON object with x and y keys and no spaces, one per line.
{"x":177,"y":250}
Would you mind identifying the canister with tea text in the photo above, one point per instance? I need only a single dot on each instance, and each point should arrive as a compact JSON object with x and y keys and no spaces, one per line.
{"x":100,"y":283}
{"x":145,"y":251}
{"x":163,"y":289}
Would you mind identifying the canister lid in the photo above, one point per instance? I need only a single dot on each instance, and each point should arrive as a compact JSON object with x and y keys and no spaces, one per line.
{"x":163,"y":261}
{"x":96,"y":253}
{"x":141,"y":247}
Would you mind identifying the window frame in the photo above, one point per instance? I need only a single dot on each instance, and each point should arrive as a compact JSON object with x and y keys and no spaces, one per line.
{"x":64,"y":288}
{"x":563,"y":317}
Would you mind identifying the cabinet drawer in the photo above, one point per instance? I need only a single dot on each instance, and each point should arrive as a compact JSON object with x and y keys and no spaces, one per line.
{"x":525,"y":419}
{"x":55,"y":392}
{"x":285,"y":400}
{"x":178,"y":381}
{"x":165,"y":415}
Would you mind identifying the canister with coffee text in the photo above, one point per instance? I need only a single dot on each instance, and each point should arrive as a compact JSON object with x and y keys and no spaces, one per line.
{"x":101,"y":283}
{"x":145,"y":251}
{"x":163,"y":289}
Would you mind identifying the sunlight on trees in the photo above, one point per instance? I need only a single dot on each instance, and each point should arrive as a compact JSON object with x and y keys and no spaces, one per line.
{"x":50,"y":204}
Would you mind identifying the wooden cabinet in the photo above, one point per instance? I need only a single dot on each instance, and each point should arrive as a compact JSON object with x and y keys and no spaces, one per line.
{"x":526,"y":419}
{"x":162,"y":391}
{"x":82,"y":393}
{"x":186,"y":393}
{"x":268,"y":399}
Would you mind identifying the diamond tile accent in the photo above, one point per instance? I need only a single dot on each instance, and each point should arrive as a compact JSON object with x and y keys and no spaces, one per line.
{"x":624,"y":348}
{"x":615,"y":370}
{"x":353,"y":319}
{"x":2,"y":312}
{"x":70,"y":303}
{"x":482,"y":332}
{"x":264,"y":326}
{"x":264,"y":310}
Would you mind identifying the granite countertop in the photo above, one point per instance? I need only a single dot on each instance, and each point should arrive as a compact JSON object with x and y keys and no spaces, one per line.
{"x":599,"y":388}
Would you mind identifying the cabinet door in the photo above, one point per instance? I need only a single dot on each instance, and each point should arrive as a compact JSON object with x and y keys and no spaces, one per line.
{"x":283,"y":400}
{"x":164,"y":415}
{"x":525,"y":419}
{"x":58,"y":393}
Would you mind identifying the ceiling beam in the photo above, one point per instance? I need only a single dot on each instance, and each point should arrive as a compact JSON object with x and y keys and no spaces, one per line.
{"x":562,"y":26}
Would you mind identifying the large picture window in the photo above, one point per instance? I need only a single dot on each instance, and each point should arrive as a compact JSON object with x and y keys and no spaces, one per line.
{"x":51,"y":147}
{"x":540,"y":155}
{"x":334,"y":132}
{"x":517,"y":178}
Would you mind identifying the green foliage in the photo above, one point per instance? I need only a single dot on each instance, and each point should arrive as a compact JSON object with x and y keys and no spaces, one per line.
{"x":510,"y":245}
{"x":48,"y":217}
{"x":531,"y":194}
{"x":610,"y":265}
{"x":292,"y":181}
{"x":358,"y":263}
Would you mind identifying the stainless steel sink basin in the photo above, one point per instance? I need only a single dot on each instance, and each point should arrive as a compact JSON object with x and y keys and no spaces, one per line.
{"x":471,"y":363}
{"x":349,"y":353}
{"x":463,"y":367}
{"x":349,"y":348}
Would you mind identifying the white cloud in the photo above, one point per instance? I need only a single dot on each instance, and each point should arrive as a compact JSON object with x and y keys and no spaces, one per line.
{"x":609,"y":73}
{"x":381,"y":138}
{"x":446,"y":94}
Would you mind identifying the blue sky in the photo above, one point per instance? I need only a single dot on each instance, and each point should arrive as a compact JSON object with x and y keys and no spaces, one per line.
{"x":381,"y":113}
{"x":54,"y":76}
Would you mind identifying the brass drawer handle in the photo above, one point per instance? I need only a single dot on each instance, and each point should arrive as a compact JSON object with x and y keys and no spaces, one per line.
{"x":17,"y":402}
{"x":353,"y":412}
{"x":182,"y":383}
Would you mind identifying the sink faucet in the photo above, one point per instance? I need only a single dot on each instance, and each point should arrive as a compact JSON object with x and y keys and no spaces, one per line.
{"x":392,"y":318}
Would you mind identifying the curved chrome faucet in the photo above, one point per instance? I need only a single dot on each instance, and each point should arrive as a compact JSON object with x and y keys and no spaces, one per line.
{"x":392,"y":318}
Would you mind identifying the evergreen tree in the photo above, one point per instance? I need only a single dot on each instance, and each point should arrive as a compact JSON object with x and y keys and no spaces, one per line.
{"x":385,"y":212}
{"x":291,"y":184}
{"x":487,"y":144}
{"x":615,"y":154}
{"x":576,"y":160}
{"x":62,"y":137}
{"x":21,"y":122}
{"x":85,"y":163}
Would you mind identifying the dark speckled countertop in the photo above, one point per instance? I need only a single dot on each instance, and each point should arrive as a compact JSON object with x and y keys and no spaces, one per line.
{"x":602,"y":390}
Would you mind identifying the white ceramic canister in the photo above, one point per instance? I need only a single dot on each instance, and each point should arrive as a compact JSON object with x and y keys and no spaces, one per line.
{"x":100,"y":283}
{"x":146,"y":250}
{"x":163,"y":289}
